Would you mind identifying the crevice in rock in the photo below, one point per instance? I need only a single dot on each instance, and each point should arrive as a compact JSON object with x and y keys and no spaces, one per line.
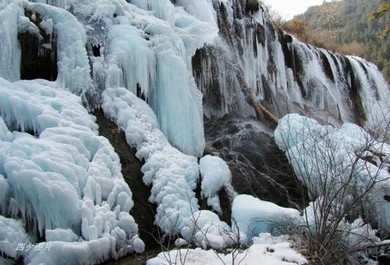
{"x":38,"y":56}
{"x":226,"y":206}
{"x":96,"y":50}
{"x":202,"y":201}
{"x":140,"y":93}
{"x":143,"y":211}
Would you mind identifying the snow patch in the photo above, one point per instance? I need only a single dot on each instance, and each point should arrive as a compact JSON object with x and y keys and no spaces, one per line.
{"x":266,"y":249}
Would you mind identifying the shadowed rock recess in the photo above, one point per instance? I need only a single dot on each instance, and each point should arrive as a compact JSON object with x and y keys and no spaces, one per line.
{"x":39,"y":54}
{"x":143,"y":211}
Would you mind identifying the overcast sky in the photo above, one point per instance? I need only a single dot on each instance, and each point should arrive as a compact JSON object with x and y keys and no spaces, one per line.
{"x":288,"y":8}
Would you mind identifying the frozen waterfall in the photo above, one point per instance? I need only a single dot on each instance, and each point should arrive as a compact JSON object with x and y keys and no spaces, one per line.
{"x":170,"y":74}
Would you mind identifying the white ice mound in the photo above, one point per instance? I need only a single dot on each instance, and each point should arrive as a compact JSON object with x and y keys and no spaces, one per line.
{"x":12,"y":233}
{"x":252,"y":216}
{"x":60,"y":177}
{"x":340,"y":163}
{"x":205,"y":230}
{"x":215,"y":175}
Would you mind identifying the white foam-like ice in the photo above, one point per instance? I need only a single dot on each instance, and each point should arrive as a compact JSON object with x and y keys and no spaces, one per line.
{"x":12,"y":233}
{"x":171,"y":174}
{"x":321,"y":155}
{"x":215,"y":175}
{"x":62,"y":178}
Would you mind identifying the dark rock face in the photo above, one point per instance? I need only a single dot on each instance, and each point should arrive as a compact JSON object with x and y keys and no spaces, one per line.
{"x":384,"y":259}
{"x":39,"y":56}
{"x":252,"y":5}
{"x":142,"y":211}
{"x":37,"y":62}
{"x":258,"y":167}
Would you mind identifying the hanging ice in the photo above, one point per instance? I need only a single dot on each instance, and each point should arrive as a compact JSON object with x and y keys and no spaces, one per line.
{"x":284,"y":74}
{"x":74,"y":70}
{"x":10,"y":13}
{"x":156,"y":64}
{"x":62,"y":176}
{"x":136,"y":59}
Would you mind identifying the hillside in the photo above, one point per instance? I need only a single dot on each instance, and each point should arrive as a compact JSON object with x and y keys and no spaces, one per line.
{"x":345,"y":26}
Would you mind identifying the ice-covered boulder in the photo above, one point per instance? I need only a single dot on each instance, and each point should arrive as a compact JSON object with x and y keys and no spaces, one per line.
{"x":252,"y":216}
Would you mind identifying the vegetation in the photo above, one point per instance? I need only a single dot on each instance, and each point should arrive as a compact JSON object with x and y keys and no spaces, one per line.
{"x":354,"y":27}
{"x":380,"y":12}
{"x":342,"y":181}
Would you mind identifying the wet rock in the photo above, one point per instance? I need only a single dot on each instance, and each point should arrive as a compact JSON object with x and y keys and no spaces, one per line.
{"x":258,"y":167}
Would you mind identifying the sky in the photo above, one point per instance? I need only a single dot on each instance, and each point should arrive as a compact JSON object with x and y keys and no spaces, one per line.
{"x":289,"y":8}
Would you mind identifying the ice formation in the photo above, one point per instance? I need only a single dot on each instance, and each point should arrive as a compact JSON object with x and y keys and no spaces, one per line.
{"x":215,"y":175}
{"x":161,"y":48}
{"x":139,"y":61}
{"x":205,"y":230}
{"x":9,"y":51}
{"x":62,"y":179}
{"x":342,"y":156}
{"x":284,"y":74}
{"x":12,"y":233}
{"x":172,"y":174}
{"x":57,"y":165}
{"x":252,"y":216}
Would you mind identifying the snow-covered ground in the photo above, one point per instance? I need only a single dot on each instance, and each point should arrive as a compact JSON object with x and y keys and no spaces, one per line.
{"x":266,"y":249}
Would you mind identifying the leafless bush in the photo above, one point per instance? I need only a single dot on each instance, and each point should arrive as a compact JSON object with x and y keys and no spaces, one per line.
{"x":341,"y":184}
